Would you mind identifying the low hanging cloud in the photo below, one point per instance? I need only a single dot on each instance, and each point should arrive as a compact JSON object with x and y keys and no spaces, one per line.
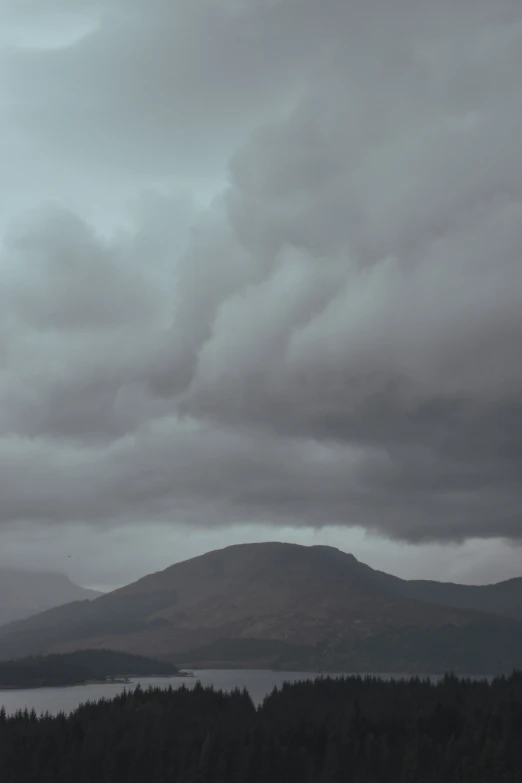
{"x":336,"y":339}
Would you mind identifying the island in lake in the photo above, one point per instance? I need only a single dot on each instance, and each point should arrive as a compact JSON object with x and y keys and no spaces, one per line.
{"x":79,"y":668}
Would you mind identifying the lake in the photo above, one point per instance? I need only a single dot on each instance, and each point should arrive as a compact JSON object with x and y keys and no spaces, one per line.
{"x":258,"y":682}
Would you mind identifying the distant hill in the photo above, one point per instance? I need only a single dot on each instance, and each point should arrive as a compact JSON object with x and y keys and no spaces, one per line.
{"x":24,"y":593}
{"x":55,"y":670}
{"x":288,"y":606}
{"x":503,"y":598}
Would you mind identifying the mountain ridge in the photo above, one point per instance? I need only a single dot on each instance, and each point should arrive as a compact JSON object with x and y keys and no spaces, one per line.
{"x":299,"y":607}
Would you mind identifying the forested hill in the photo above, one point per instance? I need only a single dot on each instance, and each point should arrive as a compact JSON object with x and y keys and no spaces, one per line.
{"x":331,"y":731}
{"x":78,"y":667}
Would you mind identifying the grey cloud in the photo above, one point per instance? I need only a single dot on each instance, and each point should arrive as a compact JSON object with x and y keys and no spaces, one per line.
{"x":154,"y":85}
{"x":336,"y":340}
{"x":61,"y":277}
{"x":80,"y":318}
{"x":139,"y":91}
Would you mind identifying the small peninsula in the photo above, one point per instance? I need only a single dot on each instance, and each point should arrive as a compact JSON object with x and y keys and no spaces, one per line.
{"x":79,"y":668}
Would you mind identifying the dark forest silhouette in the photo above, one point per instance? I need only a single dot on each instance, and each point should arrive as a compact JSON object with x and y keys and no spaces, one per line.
{"x":350,"y":730}
{"x":55,"y":670}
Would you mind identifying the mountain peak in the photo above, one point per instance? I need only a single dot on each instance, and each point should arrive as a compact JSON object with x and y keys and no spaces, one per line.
{"x":281,"y":604}
{"x":333,"y":550}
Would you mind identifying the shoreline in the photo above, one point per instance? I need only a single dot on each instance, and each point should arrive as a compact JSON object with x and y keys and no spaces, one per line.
{"x":109,"y":681}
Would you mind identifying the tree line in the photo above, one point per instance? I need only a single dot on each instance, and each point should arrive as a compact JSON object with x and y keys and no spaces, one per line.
{"x":346,"y":730}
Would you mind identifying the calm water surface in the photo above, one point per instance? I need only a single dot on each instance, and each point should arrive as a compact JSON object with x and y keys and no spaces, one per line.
{"x":54,"y":700}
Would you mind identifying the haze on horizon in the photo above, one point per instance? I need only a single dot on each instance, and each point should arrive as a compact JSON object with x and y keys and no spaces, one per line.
{"x":260,"y":279}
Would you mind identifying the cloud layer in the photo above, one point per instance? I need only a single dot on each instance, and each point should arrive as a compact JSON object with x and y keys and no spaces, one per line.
{"x":335,"y":338}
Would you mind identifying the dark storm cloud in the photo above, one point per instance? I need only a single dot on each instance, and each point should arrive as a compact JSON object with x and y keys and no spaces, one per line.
{"x":336,"y":340}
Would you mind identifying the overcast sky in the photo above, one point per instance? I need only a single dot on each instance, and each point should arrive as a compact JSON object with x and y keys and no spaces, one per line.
{"x":261,"y":278}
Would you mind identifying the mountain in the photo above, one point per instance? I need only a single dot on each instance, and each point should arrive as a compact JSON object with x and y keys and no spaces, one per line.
{"x":503,"y":598}
{"x":286,"y":606}
{"x":24,"y":593}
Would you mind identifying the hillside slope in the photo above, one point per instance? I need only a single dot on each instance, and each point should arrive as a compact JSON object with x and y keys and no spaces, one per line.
{"x":277,"y":605}
{"x":503,"y":598}
{"x":24,"y":593}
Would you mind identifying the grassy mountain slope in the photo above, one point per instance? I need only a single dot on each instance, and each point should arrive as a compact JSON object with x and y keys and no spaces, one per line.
{"x":277,"y":605}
